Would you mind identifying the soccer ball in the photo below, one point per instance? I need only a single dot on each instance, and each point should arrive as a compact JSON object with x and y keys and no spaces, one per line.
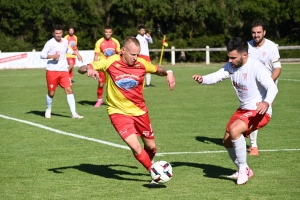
{"x":161,"y":171}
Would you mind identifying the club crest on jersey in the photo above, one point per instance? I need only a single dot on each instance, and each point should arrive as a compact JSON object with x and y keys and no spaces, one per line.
{"x":117,"y":65}
{"x":244,"y":76}
{"x":264,"y":54}
{"x":138,"y":66}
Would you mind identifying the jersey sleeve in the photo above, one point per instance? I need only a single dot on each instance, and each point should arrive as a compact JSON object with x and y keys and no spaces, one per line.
{"x":46,"y":49}
{"x":217,"y":76}
{"x":150,"y":68}
{"x":118,"y":48}
{"x":97,"y":47}
{"x":267,"y":82}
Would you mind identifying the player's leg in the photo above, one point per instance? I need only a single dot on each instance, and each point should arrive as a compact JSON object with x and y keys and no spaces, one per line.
{"x":124,"y":125}
{"x":253,"y":143}
{"x":236,"y":126}
{"x":148,"y":80}
{"x":143,"y":126}
{"x":100,"y":89}
{"x":52,"y":83}
{"x":66,"y":84}
{"x":71,"y":63}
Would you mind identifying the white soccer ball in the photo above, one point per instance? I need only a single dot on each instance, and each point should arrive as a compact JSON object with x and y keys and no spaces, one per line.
{"x":161,"y":171}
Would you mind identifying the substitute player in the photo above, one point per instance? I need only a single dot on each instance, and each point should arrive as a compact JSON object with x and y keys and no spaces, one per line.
{"x":256,"y":91}
{"x":57,"y":73}
{"x":72,"y":41}
{"x":125,"y":100}
{"x":267,"y":53}
{"x":104,"y":48}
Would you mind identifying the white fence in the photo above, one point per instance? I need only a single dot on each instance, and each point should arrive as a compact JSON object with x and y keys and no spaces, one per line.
{"x":23,"y":60}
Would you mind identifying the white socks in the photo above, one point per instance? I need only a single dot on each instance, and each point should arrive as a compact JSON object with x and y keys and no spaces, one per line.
{"x":148,"y":78}
{"x":232,"y":155}
{"x":71,"y":102}
{"x":48,"y":101}
{"x":240,"y":149}
{"x":253,"y":138}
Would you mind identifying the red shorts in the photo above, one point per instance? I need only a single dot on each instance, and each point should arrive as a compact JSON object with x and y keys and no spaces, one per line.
{"x":71,"y":61}
{"x":253,"y":120}
{"x":126,"y":125}
{"x":145,"y":57}
{"x":101,"y":77}
{"x":55,"y":78}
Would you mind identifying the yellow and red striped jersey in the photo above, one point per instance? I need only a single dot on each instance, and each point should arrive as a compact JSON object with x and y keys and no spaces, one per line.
{"x":72,"y":42}
{"x":106,"y":48}
{"x":124,"y":84}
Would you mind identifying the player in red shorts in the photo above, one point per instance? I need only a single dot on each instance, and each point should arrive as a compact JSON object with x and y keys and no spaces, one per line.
{"x":256,"y":91}
{"x":71,"y":58}
{"x":104,"y":48}
{"x":125,"y":100}
{"x":57,"y":70}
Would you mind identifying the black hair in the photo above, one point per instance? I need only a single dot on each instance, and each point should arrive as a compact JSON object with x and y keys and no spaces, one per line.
{"x":239,"y":44}
{"x":141,"y":27}
{"x":256,"y":23}
{"x":57,"y":27}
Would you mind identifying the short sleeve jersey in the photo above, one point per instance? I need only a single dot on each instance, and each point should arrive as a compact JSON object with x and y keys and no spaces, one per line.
{"x":265,"y":53}
{"x":106,"y":48}
{"x":124,"y":84}
{"x":72,"y":41}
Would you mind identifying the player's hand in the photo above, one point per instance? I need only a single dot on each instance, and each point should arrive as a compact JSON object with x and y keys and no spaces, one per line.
{"x":262,"y":107}
{"x":198,"y":78}
{"x":171,"y":80}
{"x":92,"y":73}
{"x":79,"y":57}
{"x":148,"y":34}
{"x":55,"y":56}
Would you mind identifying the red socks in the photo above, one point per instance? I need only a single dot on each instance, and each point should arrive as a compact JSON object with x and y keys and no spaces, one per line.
{"x":144,"y":159}
{"x":100,"y":92}
{"x":150,"y":152}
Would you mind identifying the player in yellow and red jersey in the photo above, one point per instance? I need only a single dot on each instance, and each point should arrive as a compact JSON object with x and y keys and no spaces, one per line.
{"x":104,"y":48}
{"x":72,"y":41}
{"x":126,"y":105}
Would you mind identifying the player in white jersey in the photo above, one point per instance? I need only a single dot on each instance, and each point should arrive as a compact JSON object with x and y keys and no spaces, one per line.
{"x":145,"y":38}
{"x":256,"y":91}
{"x":57,"y":70}
{"x":267,"y":53}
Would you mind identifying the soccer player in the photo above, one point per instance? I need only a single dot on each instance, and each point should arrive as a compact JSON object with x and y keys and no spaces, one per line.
{"x":125,"y":100}
{"x":57,"y":70}
{"x":256,"y":91}
{"x":72,"y":41}
{"x":267,"y":52}
{"x":145,"y":38}
{"x":104,"y":47}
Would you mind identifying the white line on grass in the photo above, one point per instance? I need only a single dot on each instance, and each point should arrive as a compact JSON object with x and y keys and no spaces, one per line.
{"x":65,"y":133}
{"x":123,"y":146}
{"x":208,"y":152}
{"x":284,"y":79}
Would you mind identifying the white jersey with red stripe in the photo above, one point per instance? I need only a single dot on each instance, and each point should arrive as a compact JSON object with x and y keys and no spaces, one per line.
{"x":53,"y":47}
{"x":251,"y":82}
{"x":267,"y":54}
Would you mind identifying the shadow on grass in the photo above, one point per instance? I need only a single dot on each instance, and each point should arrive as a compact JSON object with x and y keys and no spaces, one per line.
{"x":208,"y":140}
{"x":210,"y":171}
{"x":42,"y":113}
{"x":89,"y":103}
{"x":105,"y":171}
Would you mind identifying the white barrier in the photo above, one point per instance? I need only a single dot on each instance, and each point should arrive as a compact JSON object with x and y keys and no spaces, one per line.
{"x":26,"y":60}
{"x":23,"y":60}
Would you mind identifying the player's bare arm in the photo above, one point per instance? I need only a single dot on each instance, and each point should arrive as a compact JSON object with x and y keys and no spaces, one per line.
{"x":170,"y":76}
{"x":276,"y":73}
{"x":198,"y":78}
{"x":78,"y":56}
{"x":55,"y":56}
{"x":89,"y":70}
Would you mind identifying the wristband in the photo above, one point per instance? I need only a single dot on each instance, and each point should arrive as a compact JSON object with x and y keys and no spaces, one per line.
{"x":169,"y":71}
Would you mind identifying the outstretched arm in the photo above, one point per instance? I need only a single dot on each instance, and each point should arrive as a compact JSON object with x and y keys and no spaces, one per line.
{"x":170,"y":76}
{"x":89,"y":70}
